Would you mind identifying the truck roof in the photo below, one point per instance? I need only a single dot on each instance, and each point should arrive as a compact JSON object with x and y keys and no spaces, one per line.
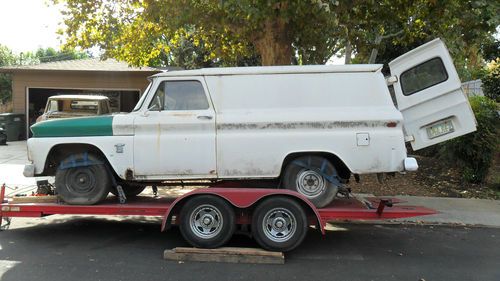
{"x":286,"y":69}
{"x":78,"y":97}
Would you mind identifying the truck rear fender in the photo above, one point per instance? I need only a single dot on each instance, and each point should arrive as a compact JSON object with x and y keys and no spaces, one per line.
{"x":342,"y":169}
{"x":242,"y":198}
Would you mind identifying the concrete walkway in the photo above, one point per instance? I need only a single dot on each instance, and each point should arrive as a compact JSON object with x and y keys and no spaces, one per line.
{"x":451,"y":210}
{"x":14,"y":153}
{"x":481,"y":212}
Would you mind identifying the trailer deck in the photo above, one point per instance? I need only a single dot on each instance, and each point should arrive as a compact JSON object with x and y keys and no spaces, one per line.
{"x":353,"y":208}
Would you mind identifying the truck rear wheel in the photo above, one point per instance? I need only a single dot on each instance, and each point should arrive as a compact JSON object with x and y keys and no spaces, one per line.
{"x":207,"y":221}
{"x":306,"y":175}
{"x":83,"y":185}
{"x":279,"y":224}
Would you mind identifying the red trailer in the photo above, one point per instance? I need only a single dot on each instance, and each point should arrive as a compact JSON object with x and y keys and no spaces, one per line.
{"x":208,"y":217}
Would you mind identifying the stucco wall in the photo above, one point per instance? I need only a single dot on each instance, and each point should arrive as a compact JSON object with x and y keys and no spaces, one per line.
{"x":74,"y":80}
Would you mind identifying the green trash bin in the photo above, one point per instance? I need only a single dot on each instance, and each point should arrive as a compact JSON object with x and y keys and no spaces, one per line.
{"x":13,"y":125}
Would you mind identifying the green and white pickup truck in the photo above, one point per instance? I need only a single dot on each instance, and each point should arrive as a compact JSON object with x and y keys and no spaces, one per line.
{"x":308,"y":128}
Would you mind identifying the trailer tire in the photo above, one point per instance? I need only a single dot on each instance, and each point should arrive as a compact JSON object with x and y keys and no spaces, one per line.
{"x":207,"y":221}
{"x":83,"y":185}
{"x":310,"y":181}
{"x":279,"y":224}
{"x":130,"y":189}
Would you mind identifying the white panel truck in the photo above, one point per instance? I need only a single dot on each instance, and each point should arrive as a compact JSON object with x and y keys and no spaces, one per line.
{"x":304,"y":128}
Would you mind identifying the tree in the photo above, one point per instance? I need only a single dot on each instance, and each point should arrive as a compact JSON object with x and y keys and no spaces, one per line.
{"x":6,"y":58}
{"x":50,"y":55}
{"x":466,"y":26}
{"x":221,"y":32}
{"x":196,"y":33}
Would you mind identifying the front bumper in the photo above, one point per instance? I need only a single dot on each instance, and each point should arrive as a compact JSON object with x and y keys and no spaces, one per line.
{"x":29,"y":170}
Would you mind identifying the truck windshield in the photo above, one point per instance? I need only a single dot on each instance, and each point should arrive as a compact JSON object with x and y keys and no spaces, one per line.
{"x":143,"y":97}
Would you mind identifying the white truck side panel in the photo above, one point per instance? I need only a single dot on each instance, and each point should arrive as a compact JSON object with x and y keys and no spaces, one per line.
{"x":262,"y":119}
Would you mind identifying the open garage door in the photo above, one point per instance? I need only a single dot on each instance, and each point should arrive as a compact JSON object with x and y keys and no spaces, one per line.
{"x":120,"y":100}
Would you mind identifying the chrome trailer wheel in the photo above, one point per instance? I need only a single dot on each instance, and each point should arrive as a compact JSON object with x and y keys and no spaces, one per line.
{"x":207,"y":221}
{"x":279,"y":224}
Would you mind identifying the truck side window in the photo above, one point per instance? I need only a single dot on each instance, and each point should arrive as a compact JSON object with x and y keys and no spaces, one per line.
{"x":423,"y":76}
{"x":181,"y":95}
{"x":185,"y":95}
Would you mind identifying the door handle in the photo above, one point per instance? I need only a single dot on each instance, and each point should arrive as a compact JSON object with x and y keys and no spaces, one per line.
{"x":204,"y":117}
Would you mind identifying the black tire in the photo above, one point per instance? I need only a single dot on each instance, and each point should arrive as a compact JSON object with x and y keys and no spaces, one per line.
{"x":130,"y":189}
{"x":279,"y":224}
{"x":207,"y":221}
{"x":219,"y":227}
{"x":86,"y":185}
{"x":310,"y":181}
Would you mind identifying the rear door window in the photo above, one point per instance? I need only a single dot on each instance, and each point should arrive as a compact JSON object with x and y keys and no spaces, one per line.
{"x":423,"y":76}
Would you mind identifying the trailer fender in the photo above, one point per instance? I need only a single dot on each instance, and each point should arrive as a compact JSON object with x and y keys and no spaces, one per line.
{"x":240,"y":198}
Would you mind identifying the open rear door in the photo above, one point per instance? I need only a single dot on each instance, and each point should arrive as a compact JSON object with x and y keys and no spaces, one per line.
{"x":429,"y":95}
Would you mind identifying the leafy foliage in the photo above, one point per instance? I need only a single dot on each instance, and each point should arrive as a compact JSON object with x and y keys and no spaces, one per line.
{"x":467,"y":27}
{"x":210,"y":31}
{"x":474,"y":152}
{"x":50,"y":55}
{"x":194,"y":33}
{"x":491,"y":82}
{"x":6,"y":58}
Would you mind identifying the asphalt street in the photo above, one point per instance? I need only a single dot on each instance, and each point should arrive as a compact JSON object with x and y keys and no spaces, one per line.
{"x":99,"y":248}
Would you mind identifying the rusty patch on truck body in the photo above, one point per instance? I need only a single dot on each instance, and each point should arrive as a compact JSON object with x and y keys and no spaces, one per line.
{"x":302,"y":125}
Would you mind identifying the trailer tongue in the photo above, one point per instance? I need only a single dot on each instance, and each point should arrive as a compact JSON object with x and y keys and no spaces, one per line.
{"x":208,"y":217}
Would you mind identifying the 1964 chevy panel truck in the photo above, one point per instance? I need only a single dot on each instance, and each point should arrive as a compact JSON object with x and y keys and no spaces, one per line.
{"x":310,"y":127}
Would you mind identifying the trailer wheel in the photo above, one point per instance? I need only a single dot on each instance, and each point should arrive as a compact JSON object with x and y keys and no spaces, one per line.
{"x":130,"y":189}
{"x":279,"y":224}
{"x":84,"y":185}
{"x":306,"y":175}
{"x":207,"y":221}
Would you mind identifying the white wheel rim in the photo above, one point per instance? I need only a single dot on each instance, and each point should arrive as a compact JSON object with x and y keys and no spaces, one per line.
{"x":279,"y":225}
{"x":310,"y":183}
{"x":206,"y":221}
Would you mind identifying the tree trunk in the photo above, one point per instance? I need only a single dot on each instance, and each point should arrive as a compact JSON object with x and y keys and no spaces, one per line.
{"x":348,"y":52}
{"x":374,"y":53}
{"x":274,"y":44}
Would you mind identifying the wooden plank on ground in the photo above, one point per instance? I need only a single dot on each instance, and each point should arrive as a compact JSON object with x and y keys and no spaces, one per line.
{"x":35,"y":199}
{"x":225,"y":254}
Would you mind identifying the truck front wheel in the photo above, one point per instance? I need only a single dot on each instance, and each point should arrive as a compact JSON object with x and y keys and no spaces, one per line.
{"x":207,"y":221}
{"x":83,"y":185}
{"x":311,"y":176}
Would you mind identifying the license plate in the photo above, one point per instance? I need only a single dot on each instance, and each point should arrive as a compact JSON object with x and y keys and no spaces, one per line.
{"x":439,"y":129}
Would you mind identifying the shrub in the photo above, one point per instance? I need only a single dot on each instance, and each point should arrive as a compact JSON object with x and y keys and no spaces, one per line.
{"x":474,"y":152}
{"x":491,"y":82}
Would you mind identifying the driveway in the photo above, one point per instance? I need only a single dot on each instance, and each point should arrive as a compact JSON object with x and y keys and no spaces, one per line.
{"x":13,"y":157}
{"x":14,"y":153}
